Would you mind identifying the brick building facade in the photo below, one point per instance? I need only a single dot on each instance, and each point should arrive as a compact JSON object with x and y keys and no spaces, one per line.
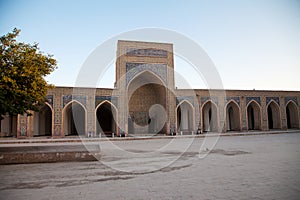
{"x":145,"y":101}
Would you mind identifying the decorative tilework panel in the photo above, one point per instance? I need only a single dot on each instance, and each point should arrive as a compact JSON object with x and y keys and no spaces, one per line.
{"x":99,"y":99}
{"x":187,"y":98}
{"x":133,"y":69}
{"x":287,"y":99}
{"x":236,"y":99}
{"x":276,"y":99}
{"x":211,"y":98}
{"x":50,"y":100}
{"x":257,"y":99}
{"x":146,"y":52}
{"x":57,"y":129}
{"x":140,"y":118}
{"x":79,"y":98}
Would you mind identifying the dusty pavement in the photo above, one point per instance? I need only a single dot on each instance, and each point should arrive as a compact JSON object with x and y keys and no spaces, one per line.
{"x":239,"y":167}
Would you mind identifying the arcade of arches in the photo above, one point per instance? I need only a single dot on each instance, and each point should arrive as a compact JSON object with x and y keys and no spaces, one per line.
{"x":74,"y":116}
{"x":147,"y":102}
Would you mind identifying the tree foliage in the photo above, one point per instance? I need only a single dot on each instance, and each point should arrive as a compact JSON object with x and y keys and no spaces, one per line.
{"x":22,"y":71}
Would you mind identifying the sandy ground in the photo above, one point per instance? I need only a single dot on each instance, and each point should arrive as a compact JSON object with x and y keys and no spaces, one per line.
{"x":239,"y":167}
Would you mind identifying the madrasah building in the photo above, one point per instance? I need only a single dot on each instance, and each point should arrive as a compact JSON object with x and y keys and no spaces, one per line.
{"x":146,"y":101}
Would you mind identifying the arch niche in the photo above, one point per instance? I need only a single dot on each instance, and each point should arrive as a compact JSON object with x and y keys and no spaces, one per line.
{"x":74,"y":119}
{"x":254,"y":116}
{"x":106,"y":124}
{"x":42,"y":121}
{"x":8,"y":126}
{"x":273,"y":115}
{"x":145,"y":90}
{"x":210,"y":117}
{"x":292,"y":116}
{"x":233,"y":117}
{"x":185,"y":117}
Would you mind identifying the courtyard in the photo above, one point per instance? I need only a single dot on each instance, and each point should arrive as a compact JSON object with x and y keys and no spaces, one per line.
{"x":237,"y":167}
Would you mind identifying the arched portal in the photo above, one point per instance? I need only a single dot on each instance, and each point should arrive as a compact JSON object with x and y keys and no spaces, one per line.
{"x":8,"y":126}
{"x":74,"y":119}
{"x":185,"y":117}
{"x":292,"y":115}
{"x":43,"y":122}
{"x":145,"y":91}
{"x":273,"y":116}
{"x":210,"y":117}
{"x":233,"y":117}
{"x":254,"y":116}
{"x":106,"y":123}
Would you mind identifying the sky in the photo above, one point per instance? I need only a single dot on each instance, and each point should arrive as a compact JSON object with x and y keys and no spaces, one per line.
{"x":254,"y":44}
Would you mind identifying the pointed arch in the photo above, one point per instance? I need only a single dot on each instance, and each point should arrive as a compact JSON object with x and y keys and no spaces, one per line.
{"x":210,"y":117}
{"x":147,"y":77}
{"x":185,"y":116}
{"x":74,"y":119}
{"x":233,"y":122}
{"x":106,"y":114}
{"x":42,"y":121}
{"x":144,"y":90}
{"x":292,"y":115}
{"x":253,"y":116}
{"x":273,"y":113}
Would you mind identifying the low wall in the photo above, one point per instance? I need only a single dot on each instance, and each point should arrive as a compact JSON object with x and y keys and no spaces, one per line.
{"x":49,"y":153}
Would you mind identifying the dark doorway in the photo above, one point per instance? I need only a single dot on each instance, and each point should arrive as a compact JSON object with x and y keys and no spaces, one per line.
{"x":270,"y":118}
{"x":250,"y":118}
{"x":230,"y":118}
{"x":43,"y":122}
{"x":292,"y":116}
{"x":288,"y":118}
{"x":273,"y":116}
{"x":233,"y":117}
{"x":105,"y":116}
{"x":209,"y":117}
{"x":8,"y":127}
{"x":254,"y":116}
{"x":74,"y":120}
{"x":178,"y":118}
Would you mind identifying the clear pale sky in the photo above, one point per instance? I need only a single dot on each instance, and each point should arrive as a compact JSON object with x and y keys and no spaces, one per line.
{"x":253,"y":43}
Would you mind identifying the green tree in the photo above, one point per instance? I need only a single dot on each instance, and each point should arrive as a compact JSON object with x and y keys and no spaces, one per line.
{"x":22,"y":71}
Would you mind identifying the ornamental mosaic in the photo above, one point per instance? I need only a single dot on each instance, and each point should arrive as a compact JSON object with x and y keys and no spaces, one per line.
{"x":256,"y":99}
{"x":211,"y":98}
{"x":57,"y":130}
{"x":276,"y":99}
{"x":100,"y":99}
{"x":146,"y":52}
{"x":287,"y":99}
{"x":236,"y":99}
{"x":186,"y":98}
{"x":140,"y":118}
{"x":23,"y":130}
{"x":132,"y":69}
{"x":79,"y":98}
{"x":50,"y":100}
